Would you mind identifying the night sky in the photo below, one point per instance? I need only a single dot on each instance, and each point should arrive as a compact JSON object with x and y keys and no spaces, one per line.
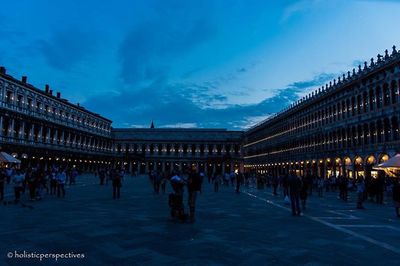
{"x":216,"y":63}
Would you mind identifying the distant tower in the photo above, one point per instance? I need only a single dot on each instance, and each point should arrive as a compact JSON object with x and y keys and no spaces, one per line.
{"x":152,"y":124}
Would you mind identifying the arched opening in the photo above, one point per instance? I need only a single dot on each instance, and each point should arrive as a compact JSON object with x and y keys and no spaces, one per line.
{"x":383,"y":158}
{"x":348,"y":171}
{"x":369,"y":172}
{"x":358,"y":167}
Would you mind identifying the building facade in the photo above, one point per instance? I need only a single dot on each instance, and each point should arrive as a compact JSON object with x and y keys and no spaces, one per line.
{"x":167,"y":149}
{"x":41,"y":128}
{"x":343,"y":128}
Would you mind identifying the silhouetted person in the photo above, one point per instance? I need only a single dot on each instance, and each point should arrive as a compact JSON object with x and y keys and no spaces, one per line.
{"x":194,"y":185}
{"x":18,"y":181}
{"x":61,"y":180}
{"x":294,"y":192}
{"x":117,"y":183}
{"x":304,"y":193}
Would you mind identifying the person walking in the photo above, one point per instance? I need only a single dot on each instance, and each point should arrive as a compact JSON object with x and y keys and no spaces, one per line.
{"x":396,"y":196}
{"x":294,"y":192}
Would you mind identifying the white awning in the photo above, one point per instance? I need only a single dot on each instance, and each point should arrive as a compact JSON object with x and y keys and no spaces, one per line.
{"x":7,"y":158}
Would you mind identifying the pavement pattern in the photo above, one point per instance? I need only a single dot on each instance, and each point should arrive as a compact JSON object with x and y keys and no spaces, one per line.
{"x":250,"y":228}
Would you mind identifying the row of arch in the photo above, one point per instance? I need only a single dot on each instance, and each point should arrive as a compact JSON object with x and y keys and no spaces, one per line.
{"x":348,"y":166}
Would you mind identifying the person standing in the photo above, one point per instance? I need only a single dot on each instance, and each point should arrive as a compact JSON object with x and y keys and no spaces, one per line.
{"x":9,"y":174}
{"x":294,"y":192}
{"x":396,"y":196}
{"x":217,"y":181}
{"x":61,"y":180}
{"x":320,"y":186}
{"x":360,"y":192}
{"x":18,"y":181}
{"x":304,"y":193}
{"x":194,"y":185}
{"x":275,"y":183}
{"x":116,"y":183}
{"x":239,"y":180}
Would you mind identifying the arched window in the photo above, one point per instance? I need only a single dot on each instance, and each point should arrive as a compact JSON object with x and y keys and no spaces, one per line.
{"x":393,"y":91}
{"x":386,"y":94}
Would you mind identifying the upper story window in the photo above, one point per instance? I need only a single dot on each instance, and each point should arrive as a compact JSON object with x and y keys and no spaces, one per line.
{"x":9,"y":97}
{"x":20,"y":100}
{"x":46,"y":108}
{"x":29,"y":103}
{"x":38,"y":105}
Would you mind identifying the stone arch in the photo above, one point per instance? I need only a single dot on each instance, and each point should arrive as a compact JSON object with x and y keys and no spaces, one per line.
{"x":383,"y":157}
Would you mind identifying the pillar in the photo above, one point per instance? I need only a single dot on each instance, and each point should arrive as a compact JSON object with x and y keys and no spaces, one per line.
{"x":11,"y":128}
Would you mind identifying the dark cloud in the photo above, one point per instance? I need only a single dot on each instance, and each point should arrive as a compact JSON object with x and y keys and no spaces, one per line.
{"x":151,"y":48}
{"x":177,"y":104}
{"x":66,"y":48}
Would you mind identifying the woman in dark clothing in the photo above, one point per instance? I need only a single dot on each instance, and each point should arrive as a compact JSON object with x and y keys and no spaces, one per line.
{"x":303,"y":193}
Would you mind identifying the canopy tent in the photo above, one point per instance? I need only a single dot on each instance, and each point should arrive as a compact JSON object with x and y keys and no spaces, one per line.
{"x":394,"y":163}
{"x":391,"y":166}
{"x":7,"y":158}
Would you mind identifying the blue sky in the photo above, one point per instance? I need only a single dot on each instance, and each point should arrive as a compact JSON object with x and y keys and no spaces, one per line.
{"x":209,"y":63}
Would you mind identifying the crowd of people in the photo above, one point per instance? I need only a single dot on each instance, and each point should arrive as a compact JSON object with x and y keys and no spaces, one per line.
{"x":296,"y":189}
{"x":36,"y":182}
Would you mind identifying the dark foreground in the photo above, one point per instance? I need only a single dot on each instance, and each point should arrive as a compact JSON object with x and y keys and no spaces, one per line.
{"x":252,"y":228}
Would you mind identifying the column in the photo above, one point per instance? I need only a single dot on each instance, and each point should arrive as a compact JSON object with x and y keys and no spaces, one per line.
{"x":163,"y":166}
{"x":69,"y":139}
{"x":62,"y":138}
{"x":147,"y":167}
{"x":231,"y":167}
{"x":55,"y":136}
{"x":21,"y":132}
{"x":11,"y":128}
{"x":31,"y":136}
{"x":223,"y":149}
{"x":130,"y":167}
{"x":213,"y":171}
{"x":48,"y":135}
{"x":40,"y":134}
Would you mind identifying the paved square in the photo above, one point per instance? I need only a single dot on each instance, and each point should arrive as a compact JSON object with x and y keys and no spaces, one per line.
{"x":250,"y":228}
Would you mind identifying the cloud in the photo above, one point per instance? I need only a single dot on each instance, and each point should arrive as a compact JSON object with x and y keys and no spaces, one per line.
{"x":298,"y":7}
{"x":66,"y":48}
{"x":151,"y":48}
{"x":180,"y":125}
{"x":177,"y":106}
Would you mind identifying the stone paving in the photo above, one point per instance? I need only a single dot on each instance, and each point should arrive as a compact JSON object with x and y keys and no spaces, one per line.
{"x":250,"y":228}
